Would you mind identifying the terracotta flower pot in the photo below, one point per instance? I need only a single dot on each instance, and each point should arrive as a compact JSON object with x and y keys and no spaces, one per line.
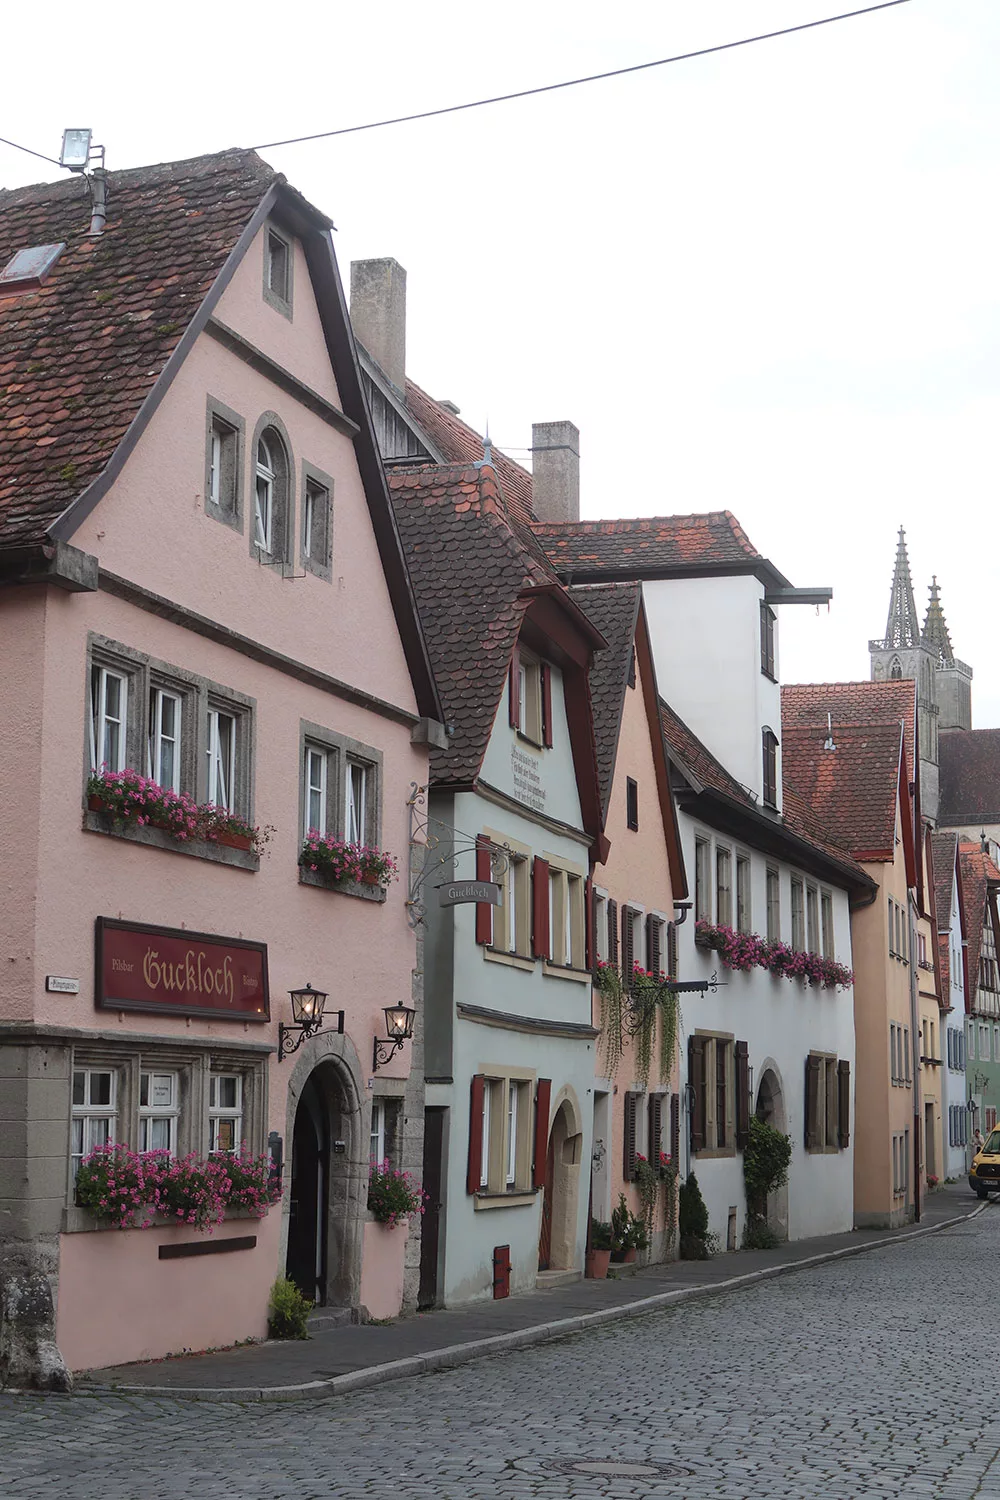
{"x":597,"y":1264}
{"x":235,"y":840}
{"x":94,"y":804}
{"x":631,"y":1255}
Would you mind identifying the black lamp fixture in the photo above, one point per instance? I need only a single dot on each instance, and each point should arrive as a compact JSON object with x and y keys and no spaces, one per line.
{"x":307,"y":1013}
{"x":399,"y":1029}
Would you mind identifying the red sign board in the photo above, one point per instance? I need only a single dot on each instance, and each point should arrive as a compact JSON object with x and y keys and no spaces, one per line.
{"x":180,"y":973}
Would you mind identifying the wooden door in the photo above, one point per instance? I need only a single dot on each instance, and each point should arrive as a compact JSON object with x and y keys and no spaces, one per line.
{"x":430,"y":1227}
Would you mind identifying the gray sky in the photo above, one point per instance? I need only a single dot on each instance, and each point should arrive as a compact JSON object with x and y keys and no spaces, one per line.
{"x":765,"y":280}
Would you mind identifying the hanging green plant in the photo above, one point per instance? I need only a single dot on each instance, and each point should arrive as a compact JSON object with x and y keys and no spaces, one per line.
{"x":652,"y":1180}
{"x":635,"y":1013}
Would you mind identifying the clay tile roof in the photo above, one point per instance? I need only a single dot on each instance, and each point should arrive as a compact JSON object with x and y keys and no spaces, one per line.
{"x":648,"y":546}
{"x":79,"y":354}
{"x":806,"y":705}
{"x":854,"y":788}
{"x":944,"y":846}
{"x":468,"y":567}
{"x":613,"y":608}
{"x":978,"y":874}
{"x":459,"y":443}
{"x":970,"y":775}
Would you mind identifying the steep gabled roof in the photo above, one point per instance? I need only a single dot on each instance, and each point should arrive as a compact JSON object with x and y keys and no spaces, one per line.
{"x":79,"y":355}
{"x":807,"y":704}
{"x":853,"y":788}
{"x":980,"y":877}
{"x":969,"y":761}
{"x":653,"y":547}
{"x":459,"y":443}
{"x":614,"y":609}
{"x":86,"y":357}
{"x":944,"y":854}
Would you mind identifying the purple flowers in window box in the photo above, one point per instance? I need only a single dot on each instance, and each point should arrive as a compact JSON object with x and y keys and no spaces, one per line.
{"x":748,"y":950}
{"x":325,"y":854}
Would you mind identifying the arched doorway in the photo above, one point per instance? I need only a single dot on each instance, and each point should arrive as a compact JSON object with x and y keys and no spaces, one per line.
{"x":327,"y":1187}
{"x":560,"y":1200}
{"x":771,"y":1109}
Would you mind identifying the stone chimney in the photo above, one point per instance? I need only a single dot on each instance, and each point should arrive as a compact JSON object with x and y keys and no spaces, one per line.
{"x":555,"y":471}
{"x":378,"y":313}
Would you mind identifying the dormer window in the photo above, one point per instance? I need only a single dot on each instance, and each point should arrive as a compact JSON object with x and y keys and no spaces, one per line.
{"x":530,"y":690}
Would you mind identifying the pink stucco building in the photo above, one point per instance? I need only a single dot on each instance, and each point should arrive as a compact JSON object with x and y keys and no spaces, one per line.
{"x":200,"y":582}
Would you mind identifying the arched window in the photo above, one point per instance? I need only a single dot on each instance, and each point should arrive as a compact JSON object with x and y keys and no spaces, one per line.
{"x":895,"y":670}
{"x":270,"y":502}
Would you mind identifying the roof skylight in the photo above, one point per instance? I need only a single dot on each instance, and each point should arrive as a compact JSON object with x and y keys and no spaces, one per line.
{"x":27,"y":269}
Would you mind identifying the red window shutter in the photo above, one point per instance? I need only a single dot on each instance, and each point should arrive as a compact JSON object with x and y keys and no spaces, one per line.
{"x":675,"y":1131}
{"x":473,"y":1180}
{"x":546,"y":675}
{"x":540,"y":907}
{"x":696,"y":1079}
{"x":613,"y":933}
{"x":484,"y":871}
{"x":812,"y":1103}
{"x":514,"y":690}
{"x":543,"y":1097}
{"x":654,"y":958}
{"x":844,"y":1102}
{"x":590,"y":936}
{"x":628,"y":1136}
{"x":742,"y":1096}
{"x":655,"y":1143}
{"x":628,"y":944}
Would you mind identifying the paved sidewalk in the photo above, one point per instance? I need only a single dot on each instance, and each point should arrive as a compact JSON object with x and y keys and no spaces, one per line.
{"x":337,"y":1360}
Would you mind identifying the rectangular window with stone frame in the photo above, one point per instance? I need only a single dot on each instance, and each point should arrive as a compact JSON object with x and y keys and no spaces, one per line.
{"x":385,"y":1140}
{"x":340,"y":785}
{"x":316,"y":526}
{"x":225,"y":439}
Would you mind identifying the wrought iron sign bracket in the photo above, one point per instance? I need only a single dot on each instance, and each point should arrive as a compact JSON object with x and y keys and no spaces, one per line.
{"x":440,"y":843}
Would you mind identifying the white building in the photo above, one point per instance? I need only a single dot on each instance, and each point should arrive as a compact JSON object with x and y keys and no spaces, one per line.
{"x":951,"y":969}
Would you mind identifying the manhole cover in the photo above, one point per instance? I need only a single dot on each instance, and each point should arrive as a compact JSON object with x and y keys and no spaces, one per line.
{"x":604,"y":1468}
{"x":616,"y":1470}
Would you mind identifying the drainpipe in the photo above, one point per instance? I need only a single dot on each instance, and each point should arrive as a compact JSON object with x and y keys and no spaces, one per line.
{"x":915,"y":1045}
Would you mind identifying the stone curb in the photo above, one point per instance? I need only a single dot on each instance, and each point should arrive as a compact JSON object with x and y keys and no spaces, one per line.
{"x":451,"y":1356}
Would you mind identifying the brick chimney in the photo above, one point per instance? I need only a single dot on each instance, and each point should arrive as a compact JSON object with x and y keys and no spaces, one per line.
{"x":555,"y":471}
{"x":378,"y":313}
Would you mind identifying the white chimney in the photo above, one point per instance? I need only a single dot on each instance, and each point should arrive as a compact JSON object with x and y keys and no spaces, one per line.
{"x":378,"y":313}
{"x":555,"y":471}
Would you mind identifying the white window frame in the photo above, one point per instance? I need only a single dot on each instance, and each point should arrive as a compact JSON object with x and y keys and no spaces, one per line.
{"x":744,"y":893}
{"x":216,"y":441}
{"x":489,"y":1085}
{"x":157,"y":737}
{"x":773,"y":895}
{"x":513,"y":1090}
{"x":88,"y":1115}
{"x":150,"y":1113}
{"x":263,"y":514}
{"x":798,"y":909}
{"x":826,"y":924}
{"x":100,"y":718}
{"x":282,"y":292}
{"x":812,"y":919}
{"x":355,"y":816}
{"x":723,"y":885}
{"x":317,"y":759}
{"x":222,"y":778}
{"x":567,"y":918}
{"x":219,"y":1114}
{"x":601,"y":925}
{"x":702,"y":879}
{"x":377,"y":1134}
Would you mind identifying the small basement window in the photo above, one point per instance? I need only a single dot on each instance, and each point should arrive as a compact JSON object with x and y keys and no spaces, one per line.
{"x":27,"y":269}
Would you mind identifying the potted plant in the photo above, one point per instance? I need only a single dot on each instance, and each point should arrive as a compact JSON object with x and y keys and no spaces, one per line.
{"x":393,"y":1196}
{"x":599,"y":1254}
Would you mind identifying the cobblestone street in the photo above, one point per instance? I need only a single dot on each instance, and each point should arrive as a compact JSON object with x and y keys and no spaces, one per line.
{"x":832,"y":1382}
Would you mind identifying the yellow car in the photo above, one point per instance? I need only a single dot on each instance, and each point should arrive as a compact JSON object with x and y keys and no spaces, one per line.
{"x":984,"y":1174}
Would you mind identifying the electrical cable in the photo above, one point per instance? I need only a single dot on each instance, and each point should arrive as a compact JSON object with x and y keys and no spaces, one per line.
{"x":569,"y":83}
{"x":28,"y":150}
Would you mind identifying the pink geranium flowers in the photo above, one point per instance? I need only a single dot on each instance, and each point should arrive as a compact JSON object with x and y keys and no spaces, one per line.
{"x":338,"y":860}
{"x":127,"y":1189}
{"x":131,"y":798}
{"x":747,"y":950}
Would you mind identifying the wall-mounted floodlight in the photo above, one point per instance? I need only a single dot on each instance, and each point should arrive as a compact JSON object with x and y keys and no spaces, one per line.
{"x":75,"y":152}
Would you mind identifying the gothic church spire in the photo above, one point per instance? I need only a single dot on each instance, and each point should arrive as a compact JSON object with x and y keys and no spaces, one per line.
{"x":935,"y":635}
{"x":902,"y":628}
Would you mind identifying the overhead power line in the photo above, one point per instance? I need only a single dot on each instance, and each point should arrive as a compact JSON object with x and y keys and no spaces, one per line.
{"x":41,"y":156}
{"x":570,"y":83}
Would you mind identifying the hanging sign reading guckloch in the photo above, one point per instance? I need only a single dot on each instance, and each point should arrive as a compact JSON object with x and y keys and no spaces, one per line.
{"x":460,"y":891}
{"x":179,"y":973}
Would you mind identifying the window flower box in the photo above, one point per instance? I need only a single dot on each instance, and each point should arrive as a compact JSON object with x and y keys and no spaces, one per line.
{"x":747,"y":950}
{"x":131,"y":800}
{"x":341,"y":864}
{"x":125,"y":1189}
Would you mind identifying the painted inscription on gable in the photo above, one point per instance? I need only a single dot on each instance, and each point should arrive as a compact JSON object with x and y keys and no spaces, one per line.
{"x":526,"y":774}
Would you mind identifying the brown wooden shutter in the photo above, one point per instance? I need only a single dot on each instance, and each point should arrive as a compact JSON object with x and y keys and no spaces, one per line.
{"x":672,"y":950}
{"x":844,"y":1102}
{"x":546,"y":676}
{"x":675,"y":1131}
{"x":812,"y":1103}
{"x":628,"y":1136}
{"x":540,"y":907}
{"x":742,"y":1096}
{"x":590,"y":934}
{"x":653,"y":955}
{"x":484,"y":871}
{"x":542,"y":1099}
{"x":655,"y":1142}
{"x":628,"y":945}
{"x":613,"y":933}
{"x":696,"y":1079}
{"x":514,"y":690}
{"x":473,"y":1179}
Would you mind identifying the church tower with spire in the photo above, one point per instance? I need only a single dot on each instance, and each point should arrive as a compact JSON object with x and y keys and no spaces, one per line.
{"x":944,"y":684}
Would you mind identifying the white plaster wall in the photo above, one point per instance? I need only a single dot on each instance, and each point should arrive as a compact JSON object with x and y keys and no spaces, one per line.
{"x":706,"y":646}
{"x":544,"y":780}
{"x":782,"y":1020}
{"x":953,"y":1083}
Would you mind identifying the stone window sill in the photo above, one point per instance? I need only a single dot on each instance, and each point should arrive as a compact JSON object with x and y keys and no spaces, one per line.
{"x":375,"y":893}
{"x":158,"y":838}
{"x":513,"y":960}
{"x":517,"y":1199}
{"x":563,"y":971}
